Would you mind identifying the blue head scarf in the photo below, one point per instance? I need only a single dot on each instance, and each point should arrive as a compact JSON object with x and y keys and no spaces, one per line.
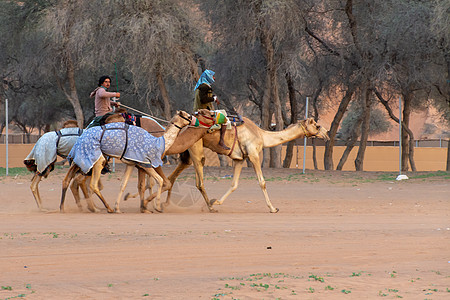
{"x":206,"y":77}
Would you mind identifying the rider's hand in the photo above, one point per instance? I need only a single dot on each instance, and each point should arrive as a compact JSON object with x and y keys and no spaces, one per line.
{"x":117,"y":95}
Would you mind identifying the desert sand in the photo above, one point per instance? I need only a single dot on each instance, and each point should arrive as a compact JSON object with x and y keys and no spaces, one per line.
{"x":338,"y":235}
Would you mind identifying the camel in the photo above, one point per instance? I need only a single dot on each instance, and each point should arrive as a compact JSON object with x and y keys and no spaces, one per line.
{"x":185,"y":139}
{"x":42,"y":158}
{"x":181,"y":120}
{"x":247,"y":141}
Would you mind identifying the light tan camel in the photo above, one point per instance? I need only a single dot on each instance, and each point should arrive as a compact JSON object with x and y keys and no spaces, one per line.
{"x":247,"y":141}
{"x":185,"y":139}
{"x":181,"y":120}
{"x":49,"y":144}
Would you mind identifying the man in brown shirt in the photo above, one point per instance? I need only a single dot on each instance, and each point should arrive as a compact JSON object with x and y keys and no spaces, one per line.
{"x":103,"y":102}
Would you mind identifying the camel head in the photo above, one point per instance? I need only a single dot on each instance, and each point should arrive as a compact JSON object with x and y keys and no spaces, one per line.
{"x":203,"y":117}
{"x":312,"y":129}
{"x":181,"y":119}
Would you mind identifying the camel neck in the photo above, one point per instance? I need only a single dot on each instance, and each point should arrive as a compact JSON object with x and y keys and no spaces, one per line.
{"x":169,"y":136}
{"x":275,"y":138}
{"x":186,"y":139}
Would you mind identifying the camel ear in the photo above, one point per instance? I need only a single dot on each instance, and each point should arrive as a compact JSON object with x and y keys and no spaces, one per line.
{"x":309,"y":121}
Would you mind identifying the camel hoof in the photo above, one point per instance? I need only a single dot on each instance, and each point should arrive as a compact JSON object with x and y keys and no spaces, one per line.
{"x":212,"y":210}
{"x":93,"y":209}
{"x":146,"y":211}
{"x":127,"y":195}
{"x":274,"y":212}
{"x":118,"y":211}
{"x":159,"y":210}
{"x":110,"y":211}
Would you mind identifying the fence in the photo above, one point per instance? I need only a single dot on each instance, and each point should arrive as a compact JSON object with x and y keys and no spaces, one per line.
{"x":376,"y":158}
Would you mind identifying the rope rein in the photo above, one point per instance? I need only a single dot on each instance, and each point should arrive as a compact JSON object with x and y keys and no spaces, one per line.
{"x":304,"y":130}
{"x":162,"y":120}
{"x":144,"y":114}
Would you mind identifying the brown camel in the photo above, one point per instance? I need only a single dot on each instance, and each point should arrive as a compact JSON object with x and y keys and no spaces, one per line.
{"x":181,"y":120}
{"x":41,"y":160}
{"x":247,"y":141}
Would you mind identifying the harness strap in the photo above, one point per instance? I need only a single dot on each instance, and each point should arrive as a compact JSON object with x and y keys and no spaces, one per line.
{"x":234,"y":142}
{"x":60,"y":135}
{"x":204,"y":124}
{"x":304,"y":130}
{"x":125,"y":128}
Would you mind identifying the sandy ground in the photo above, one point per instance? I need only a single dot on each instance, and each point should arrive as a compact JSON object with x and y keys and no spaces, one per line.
{"x":338,"y":235}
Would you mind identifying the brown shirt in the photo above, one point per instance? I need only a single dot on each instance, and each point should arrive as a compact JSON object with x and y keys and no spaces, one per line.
{"x":103,"y":101}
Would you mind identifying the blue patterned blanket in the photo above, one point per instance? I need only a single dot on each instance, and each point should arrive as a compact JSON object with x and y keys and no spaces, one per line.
{"x":45,"y":150}
{"x":134,"y":144}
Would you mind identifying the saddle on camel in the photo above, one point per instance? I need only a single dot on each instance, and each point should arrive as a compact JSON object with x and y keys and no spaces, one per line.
{"x":132,"y":144}
{"x":247,"y":142}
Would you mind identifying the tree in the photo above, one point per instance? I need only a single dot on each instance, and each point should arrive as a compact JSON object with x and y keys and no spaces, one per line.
{"x":157,"y":41}
{"x":269,"y":32}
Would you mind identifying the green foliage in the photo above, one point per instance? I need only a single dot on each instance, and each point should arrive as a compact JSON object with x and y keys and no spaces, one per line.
{"x":14,"y":171}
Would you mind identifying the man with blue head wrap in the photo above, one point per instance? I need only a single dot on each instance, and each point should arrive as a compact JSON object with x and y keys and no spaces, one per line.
{"x":204,"y":98}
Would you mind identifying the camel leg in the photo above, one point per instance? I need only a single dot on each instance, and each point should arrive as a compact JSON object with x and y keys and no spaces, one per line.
{"x":160,"y":180}
{"x":238,"y":164}
{"x":164,"y":185}
{"x":143,"y":178}
{"x":198,"y":159}
{"x":96,"y":172}
{"x":145,"y":183}
{"x":125,"y":178}
{"x":35,"y":190}
{"x":82,"y":183}
{"x":65,"y":184}
{"x":87,"y":195}
{"x":172,"y":177}
{"x":262,"y":183}
{"x":74,"y":188}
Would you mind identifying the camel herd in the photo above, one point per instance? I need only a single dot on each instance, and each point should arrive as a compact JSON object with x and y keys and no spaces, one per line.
{"x":143,"y":148}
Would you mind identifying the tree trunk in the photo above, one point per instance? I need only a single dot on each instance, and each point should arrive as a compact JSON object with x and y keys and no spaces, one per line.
{"x":328,"y":155}
{"x":265,"y":112}
{"x":350,"y":144}
{"x":316,"y":118}
{"x":404,"y":128}
{"x":72,"y":96}
{"x":407,"y":136}
{"x":359,"y":161}
{"x":294,"y":112}
{"x":276,"y":152}
{"x":314,"y":154}
{"x":165,"y":97}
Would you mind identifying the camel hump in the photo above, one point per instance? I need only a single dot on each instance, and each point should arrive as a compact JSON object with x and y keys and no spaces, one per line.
{"x":114,"y":118}
{"x":70,"y":124}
